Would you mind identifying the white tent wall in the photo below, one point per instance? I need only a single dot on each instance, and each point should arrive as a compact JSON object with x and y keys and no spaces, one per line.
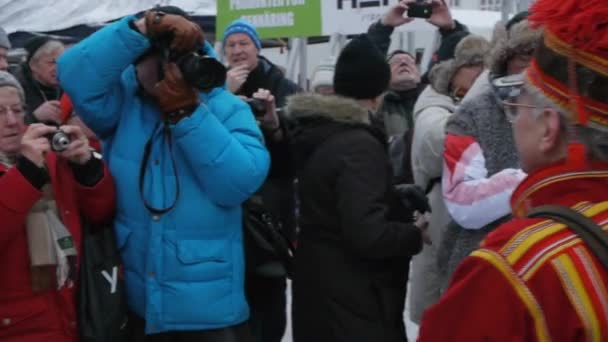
{"x":52,"y":15}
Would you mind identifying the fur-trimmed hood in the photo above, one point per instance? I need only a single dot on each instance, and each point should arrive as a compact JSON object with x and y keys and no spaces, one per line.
{"x":336,"y":108}
{"x":316,"y":118}
{"x":519,"y":38}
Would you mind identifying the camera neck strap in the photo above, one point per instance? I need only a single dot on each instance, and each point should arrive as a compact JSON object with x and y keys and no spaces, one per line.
{"x":144,"y":163}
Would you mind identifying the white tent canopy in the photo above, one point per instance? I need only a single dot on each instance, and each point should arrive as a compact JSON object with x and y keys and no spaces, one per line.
{"x":52,"y":15}
{"x":55,"y":15}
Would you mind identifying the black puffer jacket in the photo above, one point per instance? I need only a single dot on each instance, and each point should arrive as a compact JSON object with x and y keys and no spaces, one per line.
{"x":355,"y":243}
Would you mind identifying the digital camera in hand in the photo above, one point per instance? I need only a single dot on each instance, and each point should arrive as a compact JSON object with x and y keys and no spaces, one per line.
{"x":59,"y":141}
{"x":413,"y":197}
{"x":258,"y":107}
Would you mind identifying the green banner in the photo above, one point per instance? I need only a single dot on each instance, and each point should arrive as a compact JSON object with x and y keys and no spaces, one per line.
{"x":272,"y":18}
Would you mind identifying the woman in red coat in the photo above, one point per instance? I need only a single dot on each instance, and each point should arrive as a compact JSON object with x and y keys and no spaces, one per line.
{"x":43,"y":195}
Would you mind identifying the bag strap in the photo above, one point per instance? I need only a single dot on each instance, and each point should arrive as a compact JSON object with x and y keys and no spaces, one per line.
{"x":431,"y":185}
{"x":590,"y":232}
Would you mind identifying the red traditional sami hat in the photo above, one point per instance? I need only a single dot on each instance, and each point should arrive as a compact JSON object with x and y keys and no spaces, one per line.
{"x":571,"y":65}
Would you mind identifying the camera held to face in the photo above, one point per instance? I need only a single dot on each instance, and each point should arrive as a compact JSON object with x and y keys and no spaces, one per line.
{"x":201,"y":71}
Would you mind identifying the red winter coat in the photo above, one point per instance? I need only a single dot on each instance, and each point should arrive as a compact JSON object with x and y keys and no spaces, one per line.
{"x":26,"y":316}
{"x":532,"y":279}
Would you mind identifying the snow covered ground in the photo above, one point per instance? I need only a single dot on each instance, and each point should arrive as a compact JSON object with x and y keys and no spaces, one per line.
{"x":412,"y":328}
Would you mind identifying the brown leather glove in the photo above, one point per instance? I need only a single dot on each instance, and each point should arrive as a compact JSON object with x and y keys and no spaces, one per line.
{"x":177,"y":99}
{"x":186,"y":34}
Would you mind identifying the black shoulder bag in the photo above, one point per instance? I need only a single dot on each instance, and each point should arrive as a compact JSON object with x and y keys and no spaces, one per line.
{"x":590,"y":232}
{"x":268,"y":250}
{"x":102,"y":307}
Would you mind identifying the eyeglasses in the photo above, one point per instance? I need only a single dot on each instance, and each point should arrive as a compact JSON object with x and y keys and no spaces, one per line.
{"x":458,"y":94}
{"x":17,"y":111}
{"x":511,"y":109}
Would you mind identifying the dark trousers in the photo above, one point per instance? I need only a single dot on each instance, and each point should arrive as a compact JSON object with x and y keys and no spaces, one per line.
{"x":237,"y":333}
{"x":267,"y":302}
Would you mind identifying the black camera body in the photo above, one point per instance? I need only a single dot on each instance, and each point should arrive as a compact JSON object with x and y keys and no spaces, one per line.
{"x":258,"y":107}
{"x":58,"y":140}
{"x":420,"y":10}
{"x":201,"y":71}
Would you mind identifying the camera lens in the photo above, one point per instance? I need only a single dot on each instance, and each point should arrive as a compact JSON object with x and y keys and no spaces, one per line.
{"x":59,"y":141}
{"x":202,"y":72}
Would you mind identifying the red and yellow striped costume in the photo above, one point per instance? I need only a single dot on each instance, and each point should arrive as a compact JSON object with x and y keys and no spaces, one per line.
{"x":533,"y":279}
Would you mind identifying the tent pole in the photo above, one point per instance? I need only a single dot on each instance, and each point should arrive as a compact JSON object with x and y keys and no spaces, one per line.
{"x":303,"y":75}
{"x":218,"y":47}
{"x":507,"y":7}
{"x":411,"y":43}
{"x":292,"y":58}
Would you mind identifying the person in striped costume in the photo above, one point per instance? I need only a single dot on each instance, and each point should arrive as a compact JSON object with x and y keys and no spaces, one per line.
{"x":534,"y":279}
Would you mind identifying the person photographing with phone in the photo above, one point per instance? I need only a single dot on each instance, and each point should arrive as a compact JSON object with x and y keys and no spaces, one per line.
{"x":435,"y":12}
{"x":186,"y":154}
{"x":396,"y":114}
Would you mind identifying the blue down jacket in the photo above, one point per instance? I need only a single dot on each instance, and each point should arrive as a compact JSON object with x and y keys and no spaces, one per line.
{"x":184,"y":270}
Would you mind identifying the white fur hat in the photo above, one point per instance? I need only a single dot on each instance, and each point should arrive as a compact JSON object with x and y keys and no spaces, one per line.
{"x":323,"y":75}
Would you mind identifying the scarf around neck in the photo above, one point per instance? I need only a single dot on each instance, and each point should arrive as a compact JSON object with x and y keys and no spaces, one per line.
{"x":50,"y":244}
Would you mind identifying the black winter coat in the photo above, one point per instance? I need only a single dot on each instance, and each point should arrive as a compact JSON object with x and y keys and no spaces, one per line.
{"x":35,"y":93}
{"x":356,"y":241}
{"x":277,"y":194}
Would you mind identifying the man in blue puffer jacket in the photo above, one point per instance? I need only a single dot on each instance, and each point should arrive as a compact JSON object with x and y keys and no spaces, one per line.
{"x":184,"y":161}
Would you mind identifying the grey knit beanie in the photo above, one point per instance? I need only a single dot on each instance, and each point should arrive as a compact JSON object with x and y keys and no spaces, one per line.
{"x":8,"y":80}
{"x":4,"y":42}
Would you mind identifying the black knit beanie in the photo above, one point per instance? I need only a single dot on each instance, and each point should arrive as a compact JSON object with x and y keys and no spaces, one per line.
{"x":33,"y":44}
{"x":172,"y":10}
{"x":519,"y":17}
{"x":361,"y":70}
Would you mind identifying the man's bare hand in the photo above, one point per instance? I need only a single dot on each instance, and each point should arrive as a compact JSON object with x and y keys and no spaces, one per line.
{"x":397,"y":14}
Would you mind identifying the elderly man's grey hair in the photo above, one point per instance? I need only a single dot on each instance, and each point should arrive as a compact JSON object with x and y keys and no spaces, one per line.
{"x":49,"y":48}
{"x":594,"y":138}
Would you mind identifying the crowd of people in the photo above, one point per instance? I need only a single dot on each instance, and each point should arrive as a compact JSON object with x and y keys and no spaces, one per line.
{"x":478,"y":186}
